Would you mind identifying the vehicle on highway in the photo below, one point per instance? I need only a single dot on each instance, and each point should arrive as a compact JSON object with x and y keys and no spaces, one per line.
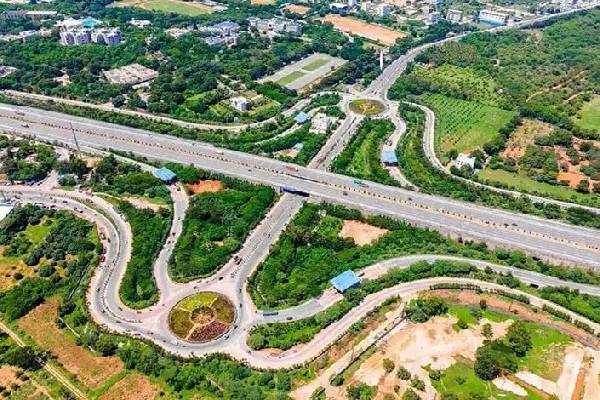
{"x":292,"y":190}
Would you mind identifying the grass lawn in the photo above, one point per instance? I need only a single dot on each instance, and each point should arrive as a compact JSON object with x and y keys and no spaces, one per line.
{"x":460,"y":380}
{"x":465,"y":125}
{"x":168,"y":6}
{"x":523,"y":183}
{"x":547,"y":355}
{"x":199,"y":299}
{"x":464,"y":313}
{"x":589,"y":115}
{"x":366,"y":107}
{"x":291,"y":77}
{"x":313,"y":65}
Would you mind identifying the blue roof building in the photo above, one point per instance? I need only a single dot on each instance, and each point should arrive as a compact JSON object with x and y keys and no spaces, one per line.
{"x":165,"y":175}
{"x":301,"y":117}
{"x":344,"y":281}
{"x":89,"y":22}
{"x":389,"y":158}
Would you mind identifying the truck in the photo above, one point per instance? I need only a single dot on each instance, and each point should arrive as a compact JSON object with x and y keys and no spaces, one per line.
{"x":291,"y":168}
{"x":359,"y":183}
{"x":293,"y":190}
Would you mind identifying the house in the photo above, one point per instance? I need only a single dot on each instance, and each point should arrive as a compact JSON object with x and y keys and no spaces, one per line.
{"x":165,"y":175}
{"x":139,"y":23}
{"x":383,"y":10}
{"x":454,"y":16}
{"x":301,"y":117}
{"x":434,"y":17}
{"x":107,"y":36}
{"x":389,"y":158}
{"x":464,"y":160}
{"x":493,"y":17}
{"x":240,"y":103}
{"x":345,"y":281}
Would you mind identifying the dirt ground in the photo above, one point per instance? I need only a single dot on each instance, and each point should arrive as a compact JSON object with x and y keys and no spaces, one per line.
{"x":361,"y":233}
{"x":263,"y":1}
{"x":206,"y":186}
{"x":91,"y":370}
{"x":142,"y":203}
{"x":133,"y":387}
{"x":374,"y":32}
{"x":9,"y":268}
{"x":433,"y":343}
{"x":296,"y":9}
{"x":289,"y":153}
{"x":523,"y":136}
{"x":8,"y":375}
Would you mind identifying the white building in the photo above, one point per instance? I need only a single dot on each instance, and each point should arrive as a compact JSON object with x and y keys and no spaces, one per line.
{"x":240,"y":103}
{"x":139,"y":23}
{"x":107,"y":36}
{"x":464,"y":160}
{"x":493,"y":17}
{"x":75,"y":37}
{"x":352,"y":3}
{"x":321,"y":123}
{"x":454,"y":16}
{"x":276,"y":25}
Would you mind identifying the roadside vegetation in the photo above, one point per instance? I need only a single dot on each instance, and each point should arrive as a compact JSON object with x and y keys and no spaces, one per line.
{"x":216,"y":224}
{"x":24,"y":161}
{"x":362,"y":157}
{"x":311,"y":251}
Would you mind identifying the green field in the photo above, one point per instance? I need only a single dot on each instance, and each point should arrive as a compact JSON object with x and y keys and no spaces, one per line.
{"x":465,"y":125}
{"x":460,"y":380}
{"x":313,"y":65}
{"x":289,"y":78}
{"x":167,"y":6}
{"x":523,"y":183}
{"x":547,"y":355}
{"x":589,"y":115}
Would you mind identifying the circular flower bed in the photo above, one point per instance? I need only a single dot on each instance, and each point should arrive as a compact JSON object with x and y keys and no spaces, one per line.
{"x":202,"y":317}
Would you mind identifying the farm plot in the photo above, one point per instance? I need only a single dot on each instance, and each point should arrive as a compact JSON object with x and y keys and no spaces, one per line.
{"x":91,"y":370}
{"x":465,"y":125}
{"x":202,"y":317}
{"x":302,"y":74}
{"x":376,"y":33}
{"x":169,"y":6}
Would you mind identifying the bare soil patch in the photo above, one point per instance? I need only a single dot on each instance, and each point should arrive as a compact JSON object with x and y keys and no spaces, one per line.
{"x":206,"y":186}
{"x":361,"y":232}
{"x":373,"y":32}
{"x":8,"y":375}
{"x":133,"y":387}
{"x":91,"y":370}
{"x":144,"y":204}
{"x":296,"y":9}
{"x":263,"y":2}
{"x":524,"y":136}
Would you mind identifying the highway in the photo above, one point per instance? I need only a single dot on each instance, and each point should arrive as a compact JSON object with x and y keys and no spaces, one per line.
{"x":548,"y":239}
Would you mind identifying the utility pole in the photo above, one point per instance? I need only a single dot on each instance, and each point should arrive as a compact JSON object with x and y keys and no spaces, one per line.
{"x":75,"y":137}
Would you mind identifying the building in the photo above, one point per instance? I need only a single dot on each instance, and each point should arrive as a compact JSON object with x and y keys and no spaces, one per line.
{"x":383,"y":10}
{"x":493,"y":17}
{"x":165,"y":175}
{"x":389,"y":158}
{"x":24,"y":36}
{"x":345,"y":281}
{"x":454,"y":16}
{"x":240,"y":103}
{"x":352,"y":3}
{"x":75,"y":37}
{"x":71,"y":23}
{"x":132,"y":74}
{"x":301,"y":117}
{"x":464,"y":160}
{"x":139,"y":23}
{"x":434,"y":17}
{"x":107,"y":36}
{"x":6,"y":70}
{"x":339,"y":7}
{"x":321,"y":123}
{"x":22,"y":14}
{"x":276,"y":25}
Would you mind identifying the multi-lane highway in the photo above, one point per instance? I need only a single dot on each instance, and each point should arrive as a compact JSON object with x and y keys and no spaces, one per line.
{"x":548,"y":239}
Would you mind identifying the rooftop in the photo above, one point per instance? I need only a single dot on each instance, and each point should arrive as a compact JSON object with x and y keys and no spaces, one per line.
{"x":345,"y":281}
{"x":165,"y":174}
{"x":389,"y":157}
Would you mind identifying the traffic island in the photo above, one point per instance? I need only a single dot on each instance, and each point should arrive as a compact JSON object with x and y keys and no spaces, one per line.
{"x":202,"y":317}
{"x":367,"y":107}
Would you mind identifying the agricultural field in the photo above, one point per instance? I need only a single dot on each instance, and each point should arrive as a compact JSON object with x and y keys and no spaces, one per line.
{"x":190,"y":8}
{"x":202,"y":317}
{"x":588,"y":116}
{"x":90,"y":369}
{"x":300,"y":75}
{"x":465,"y":125}
{"x":376,"y":33}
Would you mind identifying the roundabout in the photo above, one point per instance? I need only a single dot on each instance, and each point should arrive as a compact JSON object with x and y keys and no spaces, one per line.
{"x":367,"y":107}
{"x":202,"y":317}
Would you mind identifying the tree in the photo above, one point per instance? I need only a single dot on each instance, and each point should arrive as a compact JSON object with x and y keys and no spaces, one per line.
{"x":388,"y":365}
{"x":483,"y":304}
{"x":403,"y":373}
{"x":22,"y":357}
{"x":583,"y":186}
{"x":486,"y":331}
{"x":494,"y":358}
{"x":361,"y":392}
{"x":518,"y":338}
{"x":410,"y":395}
{"x":417,"y":383}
